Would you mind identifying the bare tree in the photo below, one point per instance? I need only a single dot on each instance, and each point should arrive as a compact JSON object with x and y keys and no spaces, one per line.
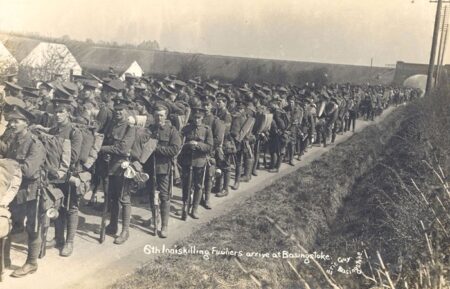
{"x":54,"y":59}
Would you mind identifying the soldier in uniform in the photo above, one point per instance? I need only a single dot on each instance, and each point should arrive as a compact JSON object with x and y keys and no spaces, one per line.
{"x":237,"y":121}
{"x":46,"y":99}
{"x":26,"y":149}
{"x":68,"y":215}
{"x":198,"y":143}
{"x":226,"y":153}
{"x":216,"y":155}
{"x":119,"y":139}
{"x":13,"y":89}
{"x":295,"y":116}
{"x":162,"y":161}
{"x":277,"y":135}
{"x":104,"y":120}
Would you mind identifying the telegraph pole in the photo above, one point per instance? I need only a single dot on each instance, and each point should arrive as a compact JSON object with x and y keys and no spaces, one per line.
{"x":437,"y":22}
{"x":441,"y":42}
{"x":443,"y":51}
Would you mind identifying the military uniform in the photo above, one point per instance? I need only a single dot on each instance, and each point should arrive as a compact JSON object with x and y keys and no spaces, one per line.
{"x":224,"y":154}
{"x":237,"y":121}
{"x":216,"y":155}
{"x":68,"y":215}
{"x":193,"y":159}
{"x":119,"y":139}
{"x":331,"y":116}
{"x":295,"y":117}
{"x":161,"y":165}
{"x":29,"y":152}
{"x":278,"y":138}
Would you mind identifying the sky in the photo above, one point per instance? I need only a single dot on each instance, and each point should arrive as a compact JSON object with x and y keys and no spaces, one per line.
{"x":331,"y":31}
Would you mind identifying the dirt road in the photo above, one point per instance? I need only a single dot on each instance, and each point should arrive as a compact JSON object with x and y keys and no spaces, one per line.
{"x":97,"y":266}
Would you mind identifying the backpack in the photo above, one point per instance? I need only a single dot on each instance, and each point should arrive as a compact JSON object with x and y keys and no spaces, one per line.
{"x":57,"y":156}
{"x":90,"y":146}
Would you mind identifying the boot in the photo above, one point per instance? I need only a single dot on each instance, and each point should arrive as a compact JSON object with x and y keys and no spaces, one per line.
{"x":248,"y":167}
{"x":165,"y":208}
{"x":184,"y":213}
{"x":226,"y":183}
{"x":237,"y":177}
{"x":126,"y":217}
{"x":111,"y":228}
{"x":72,"y":225}
{"x":34,"y":247}
{"x":24,"y":270}
{"x":195,"y":204}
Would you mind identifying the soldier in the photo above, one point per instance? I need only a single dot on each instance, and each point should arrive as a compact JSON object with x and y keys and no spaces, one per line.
{"x":29,"y":152}
{"x":228,"y":150}
{"x":277,"y":135}
{"x":331,"y":116}
{"x":198,"y":143}
{"x":216,"y":154}
{"x":88,"y":94}
{"x":245,"y":152}
{"x":237,"y":122}
{"x":68,"y":215}
{"x":119,"y":139}
{"x":13,"y":89}
{"x":162,"y":161}
{"x":46,"y":97}
{"x":295,"y":116}
{"x":352,"y":114}
{"x":104,"y":120}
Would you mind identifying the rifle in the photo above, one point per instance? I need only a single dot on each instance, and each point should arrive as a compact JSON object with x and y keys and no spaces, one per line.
{"x":155,"y":208}
{"x":189,"y":185}
{"x":105,"y":202}
{"x":202,"y":185}
{"x":45,"y":223}
{"x":171,"y":177}
{"x":257,"y":151}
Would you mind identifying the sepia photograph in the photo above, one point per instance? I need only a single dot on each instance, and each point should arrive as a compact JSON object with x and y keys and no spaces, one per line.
{"x":292,"y":144}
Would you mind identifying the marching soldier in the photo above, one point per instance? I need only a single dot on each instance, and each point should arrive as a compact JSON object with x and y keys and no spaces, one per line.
{"x":161,"y":162}
{"x":216,"y":154}
{"x":119,"y":139}
{"x":26,"y":149}
{"x":198,"y":143}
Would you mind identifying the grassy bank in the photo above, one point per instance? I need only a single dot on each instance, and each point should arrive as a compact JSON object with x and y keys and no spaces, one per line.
{"x":304,"y":203}
{"x":400,"y":207}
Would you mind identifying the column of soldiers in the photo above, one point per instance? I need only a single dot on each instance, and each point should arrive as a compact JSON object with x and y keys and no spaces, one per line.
{"x":199,"y":134}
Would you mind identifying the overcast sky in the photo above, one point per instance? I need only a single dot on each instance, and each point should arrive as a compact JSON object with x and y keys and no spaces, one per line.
{"x":333,"y":31}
